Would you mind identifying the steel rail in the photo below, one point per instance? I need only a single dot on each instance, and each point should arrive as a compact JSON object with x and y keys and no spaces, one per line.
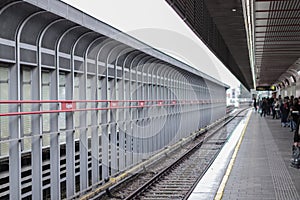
{"x":176,"y":163}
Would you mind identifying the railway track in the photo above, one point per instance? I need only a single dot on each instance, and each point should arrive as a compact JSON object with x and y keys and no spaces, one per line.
{"x":177,"y":174}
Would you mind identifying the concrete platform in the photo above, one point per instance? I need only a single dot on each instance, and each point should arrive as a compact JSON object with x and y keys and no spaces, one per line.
{"x":262,"y":167}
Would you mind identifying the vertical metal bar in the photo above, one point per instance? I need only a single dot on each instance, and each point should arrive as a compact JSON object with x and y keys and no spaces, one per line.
{"x":55,"y":192}
{"x":174,"y":97}
{"x":14,"y":125}
{"x":129,"y":136}
{"x":164,"y":95}
{"x":134,"y":122}
{"x":54,"y":137}
{"x":129,"y":140}
{"x":138,"y":120}
{"x":148,"y":117}
{"x":113,"y":115}
{"x":153,"y":118}
{"x":122,"y":114}
{"x":15,"y":122}
{"x":70,"y":140}
{"x":127,"y":133}
{"x":169,"y":93}
{"x":184,"y":91}
{"x":36,"y":140}
{"x":122,"y":126}
{"x":133,"y":128}
{"x":143,"y":129}
{"x":131,"y":123}
{"x":95,"y":119}
{"x":37,"y":136}
{"x":141,"y":123}
{"x":83,"y":139}
{"x":156,"y":119}
{"x":70,"y":127}
{"x":149,"y":97}
{"x":128,"y":123}
{"x":95,"y":131}
{"x":180,"y":107}
{"x":159,"y":118}
{"x":169,"y":109}
{"x":104,"y":139}
{"x":105,"y":142}
{"x":146,"y":109}
{"x":83,"y":128}
{"x":14,"y":129}
{"x":56,"y":153}
{"x":165,"y":116}
{"x":141,"y":111}
{"x":115,"y":126}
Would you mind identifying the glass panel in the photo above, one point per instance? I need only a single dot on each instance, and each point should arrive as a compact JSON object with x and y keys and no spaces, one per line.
{"x":99,"y":104}
{"x":26,"y":107}
{"x":77,"y":134}
{"x":89,"y":135}
{"x":27,"y":143}
{"x":4,"y":124}
{"x":46,"y":106}
{"x":62,"y":137}
{"x":46,"y":140}
{"x":76,"y":97}
{"x":62,"y":96}
{"x":89,"y":97}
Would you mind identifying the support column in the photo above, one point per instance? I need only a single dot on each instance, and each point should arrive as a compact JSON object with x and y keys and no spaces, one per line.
{"x":15,"y":132}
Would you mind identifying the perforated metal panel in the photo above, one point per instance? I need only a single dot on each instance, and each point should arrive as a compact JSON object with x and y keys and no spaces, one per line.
{"x":4,"y":131}
{"x":102,"y":109}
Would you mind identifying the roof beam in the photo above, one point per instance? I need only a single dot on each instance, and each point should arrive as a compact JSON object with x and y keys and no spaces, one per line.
{"x":285,"y":31}
{"x":286,"y":45}
{"x":275,"y":25}
{"x":279,"y":36}
{"x":275,"y":18}
{"x":277,"y":41}
{"x":279,"y":10}
{"x":270,"y":0}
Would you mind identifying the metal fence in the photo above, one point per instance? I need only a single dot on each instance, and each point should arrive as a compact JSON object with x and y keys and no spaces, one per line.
{"x":78,"y":106}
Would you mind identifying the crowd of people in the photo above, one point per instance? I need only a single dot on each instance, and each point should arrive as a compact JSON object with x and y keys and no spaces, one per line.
{"x":288,"y":111}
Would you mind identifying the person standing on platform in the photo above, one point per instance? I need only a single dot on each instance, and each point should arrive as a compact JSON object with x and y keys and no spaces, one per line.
{"x":295,"y":161}
{"x":284,"y":109}
{"x":254,"y":104}
{"x":264,"y":107}
{"x":295,"y":108}
{"x":275,"y":109}
{"x":280,"y":104}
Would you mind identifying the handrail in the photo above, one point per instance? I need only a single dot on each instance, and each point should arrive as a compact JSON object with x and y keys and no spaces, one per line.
{"x":70,"y":105}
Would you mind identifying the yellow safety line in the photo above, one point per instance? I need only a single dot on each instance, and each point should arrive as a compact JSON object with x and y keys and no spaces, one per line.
{"x":221,"y":189}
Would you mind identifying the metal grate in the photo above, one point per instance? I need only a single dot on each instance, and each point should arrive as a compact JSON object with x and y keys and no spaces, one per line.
{"x":196,"y":15}
{"x":277,"y":38}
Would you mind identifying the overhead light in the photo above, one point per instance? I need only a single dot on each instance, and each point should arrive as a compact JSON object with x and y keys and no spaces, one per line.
{"x":233,"y":10}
